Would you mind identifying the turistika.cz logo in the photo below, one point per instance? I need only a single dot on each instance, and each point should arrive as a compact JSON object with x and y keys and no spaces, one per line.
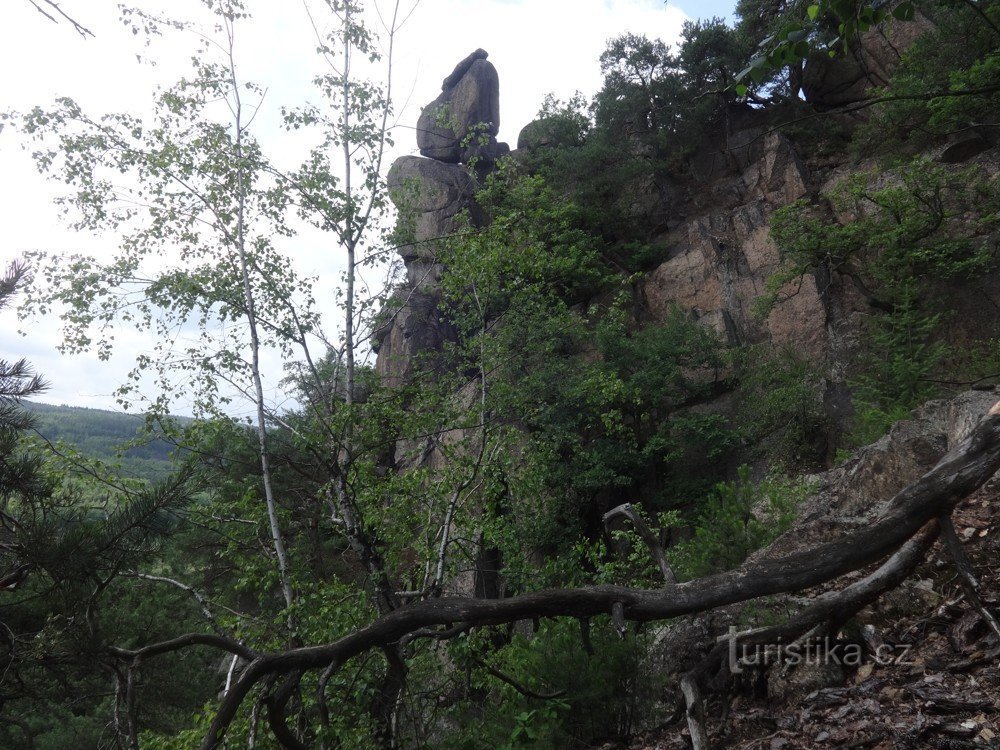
{"x":810,"y":651}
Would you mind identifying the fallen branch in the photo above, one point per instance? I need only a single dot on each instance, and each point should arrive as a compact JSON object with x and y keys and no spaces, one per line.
{"x":833,"y":606}
{"x":959,"y":473}
{"x":966,"y":574}
{"x":963,"y":470}
{"x":695,"y":713}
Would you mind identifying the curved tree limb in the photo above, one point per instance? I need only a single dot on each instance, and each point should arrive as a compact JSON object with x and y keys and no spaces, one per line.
{"x":277,"y":716}
{"x":627,"y":510}
{"x":835,"y":606}
{"x":959,"y":473}
{"x":522,"y":689}
{"x":176,"y":644}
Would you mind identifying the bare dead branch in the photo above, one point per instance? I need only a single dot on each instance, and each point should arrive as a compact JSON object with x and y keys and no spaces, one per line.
{"x":695,"y":713}
{"x":627,"y":510}
{"x":77,"y":26}
{"x":834,"y":606}
{"x":961,"y":471}
{"x":277,"y":716}
{"x":966,"y":574}
{"x":203,"y":603}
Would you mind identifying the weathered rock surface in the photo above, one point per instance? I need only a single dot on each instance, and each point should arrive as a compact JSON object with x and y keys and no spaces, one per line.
{"x":843,"y":499}
{"x":434,"y":199}
{"x":467,"y":108}
{"x":412,"y":333}
{"x":869,"y":479}
{"x":542,"y":133}
{"x":963,"y":149}
{"x":718,"y":262}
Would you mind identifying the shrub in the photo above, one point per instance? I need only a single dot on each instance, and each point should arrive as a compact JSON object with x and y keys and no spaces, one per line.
{"x":738,"y":518}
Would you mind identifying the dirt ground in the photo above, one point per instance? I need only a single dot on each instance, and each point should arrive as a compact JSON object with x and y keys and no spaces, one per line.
{"x":928,"y":675}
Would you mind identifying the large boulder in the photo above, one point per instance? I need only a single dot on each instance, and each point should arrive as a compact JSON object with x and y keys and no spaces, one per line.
{"x":549,"y":132}
{"x":468,"y":108}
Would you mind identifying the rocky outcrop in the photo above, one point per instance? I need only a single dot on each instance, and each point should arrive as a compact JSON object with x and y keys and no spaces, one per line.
{"x":462,"y":123}
{"x":847,"y":497}
{"x":718,"y":262}
{"x":860,"y":488}
{"x":435,"y":197}
{"x":543,"y":133}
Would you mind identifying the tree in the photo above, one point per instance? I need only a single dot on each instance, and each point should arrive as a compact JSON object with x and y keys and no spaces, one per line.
{"x":907,"y":528}
{"x":200,"y":191}
{"x":322,"y":553}
{"x":61,"y":553}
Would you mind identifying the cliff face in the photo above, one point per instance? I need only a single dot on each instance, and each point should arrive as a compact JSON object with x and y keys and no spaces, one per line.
{"x":718,"y":251}
{"x":721,"y":255}
{"x":720,"y":258}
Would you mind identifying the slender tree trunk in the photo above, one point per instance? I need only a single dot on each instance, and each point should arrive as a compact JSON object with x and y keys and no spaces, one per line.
{"x":251,"y":313}
{"x":350,"y":234}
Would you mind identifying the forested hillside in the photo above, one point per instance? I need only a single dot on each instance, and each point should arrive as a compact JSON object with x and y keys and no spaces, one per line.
{"x":680,"y":429}
{"x":105,"y":435}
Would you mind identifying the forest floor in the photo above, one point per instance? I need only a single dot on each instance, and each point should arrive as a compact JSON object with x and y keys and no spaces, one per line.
{"x":944,"y":692}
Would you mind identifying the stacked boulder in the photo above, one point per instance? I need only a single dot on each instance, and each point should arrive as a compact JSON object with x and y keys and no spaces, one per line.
{"x":461,"y":125}
{"x":435,"y":196}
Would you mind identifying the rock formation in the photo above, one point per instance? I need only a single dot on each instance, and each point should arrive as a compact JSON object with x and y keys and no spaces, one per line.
{"x":718,"y":261}
{"x":717,"y":249}
{"x":434,"y":196}
{"x":831,"y":82}
{"x":461,"y":125}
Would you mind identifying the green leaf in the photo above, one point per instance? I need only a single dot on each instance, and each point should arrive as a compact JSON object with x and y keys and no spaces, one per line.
{"x":813,"y":11}
{"x":741,"y":89}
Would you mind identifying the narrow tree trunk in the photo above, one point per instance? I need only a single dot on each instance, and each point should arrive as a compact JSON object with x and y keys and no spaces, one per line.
{"x":251,"y":313}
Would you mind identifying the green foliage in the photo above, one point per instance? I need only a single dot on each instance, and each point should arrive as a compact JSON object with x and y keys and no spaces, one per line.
{"x":957,"y":56}
{"x":111,"y":437}
{"x":491,"y":466}
{"x":740,"y":517}
{"x":913,"y":231}
{"x":594,"y":693}
{"x":617,"y":156}
{"x":780,"y":411}
{"x":801,"y":29}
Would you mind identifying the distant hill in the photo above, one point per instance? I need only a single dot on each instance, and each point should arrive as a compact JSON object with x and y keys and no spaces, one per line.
{"x":98,"y":433}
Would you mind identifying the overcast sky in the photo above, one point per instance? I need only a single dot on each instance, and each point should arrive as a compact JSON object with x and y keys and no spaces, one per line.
{"x":538,"y":47}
